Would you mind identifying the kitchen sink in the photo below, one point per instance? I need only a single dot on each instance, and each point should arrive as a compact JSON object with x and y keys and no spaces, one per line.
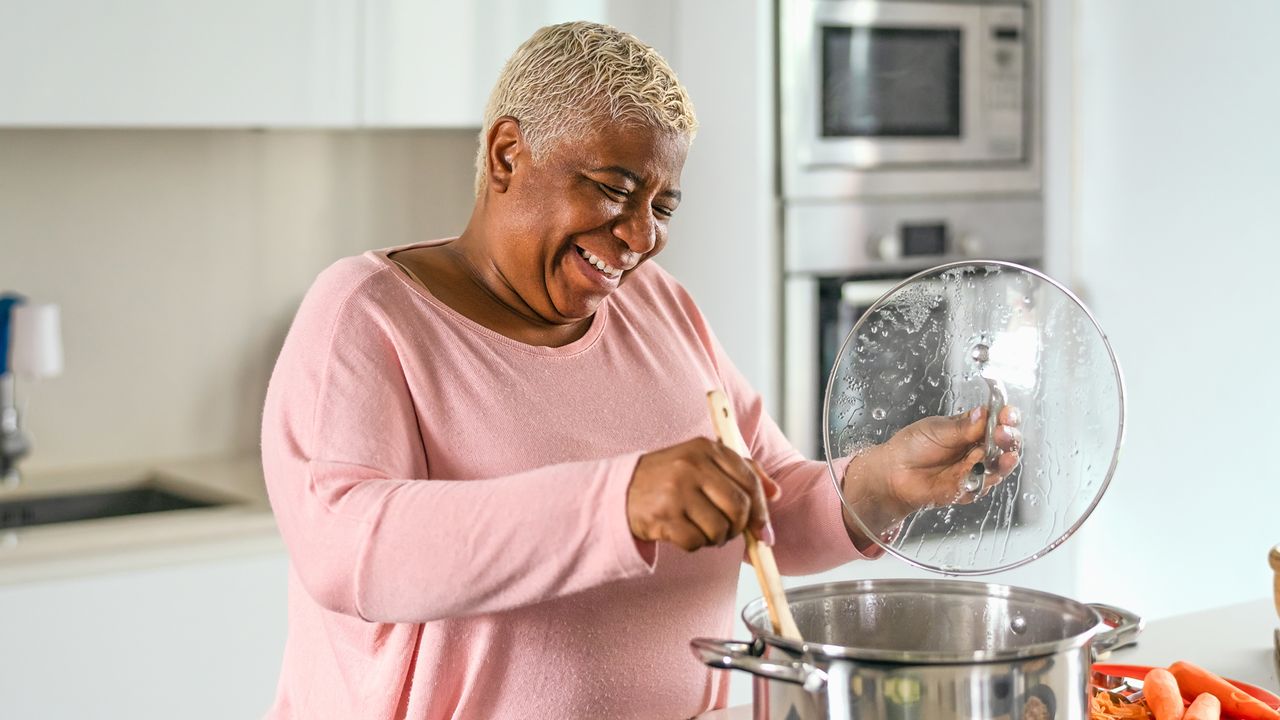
{"x":49,"y":509}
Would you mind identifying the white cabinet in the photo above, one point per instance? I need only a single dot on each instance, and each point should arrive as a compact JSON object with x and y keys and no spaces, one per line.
{"x":211,"y":63}
{"x":198,"y":641}
{"x":433,"y":64}
{"x":282,"y":63}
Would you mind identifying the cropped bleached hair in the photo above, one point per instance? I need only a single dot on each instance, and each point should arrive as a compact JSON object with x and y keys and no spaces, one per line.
{"x":570,"y":77}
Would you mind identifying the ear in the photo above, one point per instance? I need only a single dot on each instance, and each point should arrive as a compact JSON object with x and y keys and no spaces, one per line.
{"x":505,"y":148}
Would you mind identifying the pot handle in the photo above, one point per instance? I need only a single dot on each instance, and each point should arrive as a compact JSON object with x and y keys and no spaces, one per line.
{"x":1123,"y":628}
{"x":733,"y":655}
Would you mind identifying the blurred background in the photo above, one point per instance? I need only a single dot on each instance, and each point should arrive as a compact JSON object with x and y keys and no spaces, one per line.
{"x":174,"y":175}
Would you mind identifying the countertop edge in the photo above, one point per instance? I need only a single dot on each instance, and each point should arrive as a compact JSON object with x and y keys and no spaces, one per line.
{"x":243,"y":528}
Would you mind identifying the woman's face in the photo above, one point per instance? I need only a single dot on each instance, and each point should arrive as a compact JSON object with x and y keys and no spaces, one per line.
{"x":603,"y":199}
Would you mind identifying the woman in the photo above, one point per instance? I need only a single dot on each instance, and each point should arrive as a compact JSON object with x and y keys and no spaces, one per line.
{"x":489,"y":455}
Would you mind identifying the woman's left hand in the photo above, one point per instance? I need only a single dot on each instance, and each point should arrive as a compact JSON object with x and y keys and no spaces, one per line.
{"x":926,"y":463}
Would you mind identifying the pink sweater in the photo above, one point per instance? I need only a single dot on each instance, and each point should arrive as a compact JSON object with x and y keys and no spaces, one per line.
{"x":454,"y":505}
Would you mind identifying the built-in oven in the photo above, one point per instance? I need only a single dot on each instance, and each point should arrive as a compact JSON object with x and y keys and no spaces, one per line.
{"x":891,"y":97}
{"x":853,"y":254}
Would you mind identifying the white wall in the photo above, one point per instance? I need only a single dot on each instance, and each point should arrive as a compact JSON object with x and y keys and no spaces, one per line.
{"x":724,"y":243}
{"x":179,"y":258}
{"x":1178,"y":242}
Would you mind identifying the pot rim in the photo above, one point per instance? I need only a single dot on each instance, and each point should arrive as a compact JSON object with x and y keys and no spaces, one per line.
{"x":755,"y":608}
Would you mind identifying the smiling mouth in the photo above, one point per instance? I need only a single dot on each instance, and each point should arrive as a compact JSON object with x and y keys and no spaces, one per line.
{"x":603,"y":267}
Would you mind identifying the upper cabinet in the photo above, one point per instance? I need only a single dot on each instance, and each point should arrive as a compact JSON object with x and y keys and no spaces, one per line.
{"x":434,"y":63}
{"x":278,"y":63}
{"x":206,"y":63}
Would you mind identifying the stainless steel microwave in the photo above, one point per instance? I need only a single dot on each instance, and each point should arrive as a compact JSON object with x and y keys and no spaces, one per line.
{"x":893,"y":97}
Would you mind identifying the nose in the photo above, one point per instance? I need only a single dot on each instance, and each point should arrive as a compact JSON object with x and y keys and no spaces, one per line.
{"x":638,"y":229}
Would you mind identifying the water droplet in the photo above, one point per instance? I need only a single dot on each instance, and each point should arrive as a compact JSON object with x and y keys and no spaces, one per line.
{"x":878,"y":413}
{"x":1018,"y":625}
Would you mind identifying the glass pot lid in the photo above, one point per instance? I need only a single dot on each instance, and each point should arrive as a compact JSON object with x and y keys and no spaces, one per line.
{"x":983,"y":333}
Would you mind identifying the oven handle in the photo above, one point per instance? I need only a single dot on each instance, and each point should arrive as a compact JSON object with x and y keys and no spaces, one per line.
{"x":862,"y":293}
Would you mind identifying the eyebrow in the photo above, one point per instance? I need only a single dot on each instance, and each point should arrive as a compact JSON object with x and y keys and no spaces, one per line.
{"x":619,"y":170}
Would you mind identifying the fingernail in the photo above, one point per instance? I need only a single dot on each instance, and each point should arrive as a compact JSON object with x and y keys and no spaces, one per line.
{"x":775,"y":491}
{"x":766,"y":535}
{"x":1015,"y":416}
{"x":976,"y":414}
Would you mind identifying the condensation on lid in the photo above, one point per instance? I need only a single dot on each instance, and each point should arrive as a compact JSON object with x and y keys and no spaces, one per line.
{"x":942,"y":342}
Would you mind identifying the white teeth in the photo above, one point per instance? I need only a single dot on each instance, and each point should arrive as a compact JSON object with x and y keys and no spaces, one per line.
{"x":599,"y":264}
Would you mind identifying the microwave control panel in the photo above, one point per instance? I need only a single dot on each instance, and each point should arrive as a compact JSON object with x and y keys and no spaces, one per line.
{"x":1004,"y":56}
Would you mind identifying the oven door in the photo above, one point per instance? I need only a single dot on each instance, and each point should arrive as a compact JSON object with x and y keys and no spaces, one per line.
{"x":885,"y":84}
{"x":821,"y":311}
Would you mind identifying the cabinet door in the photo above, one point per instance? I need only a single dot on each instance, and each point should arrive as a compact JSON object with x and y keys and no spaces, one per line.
{"x":207,"y":63}
{"x":433,"y":64}
{"x":198,"y":641}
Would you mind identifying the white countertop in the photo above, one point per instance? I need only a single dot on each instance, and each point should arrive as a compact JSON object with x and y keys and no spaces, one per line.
{"x":243,"y":526}
{"x":1234,"y":641}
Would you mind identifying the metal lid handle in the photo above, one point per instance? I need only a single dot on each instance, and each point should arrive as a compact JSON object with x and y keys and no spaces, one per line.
{"x":997,"y":398}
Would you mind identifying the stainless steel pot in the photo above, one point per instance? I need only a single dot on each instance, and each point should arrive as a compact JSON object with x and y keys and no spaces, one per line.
{"x":924,"y":650}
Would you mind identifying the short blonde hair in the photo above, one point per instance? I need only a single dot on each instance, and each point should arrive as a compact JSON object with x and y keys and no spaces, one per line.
{"x":569,"y":77}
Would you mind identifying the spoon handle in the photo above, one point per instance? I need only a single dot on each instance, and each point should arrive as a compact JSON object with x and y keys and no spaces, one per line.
{"x":760,"y":554}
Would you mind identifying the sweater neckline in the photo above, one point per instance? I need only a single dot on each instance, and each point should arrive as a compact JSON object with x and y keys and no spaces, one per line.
{"x":598,"y":320}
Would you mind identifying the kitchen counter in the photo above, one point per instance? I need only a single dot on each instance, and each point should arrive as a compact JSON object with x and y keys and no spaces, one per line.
{"x":1234,"y":641}
{"x":242,"y":526}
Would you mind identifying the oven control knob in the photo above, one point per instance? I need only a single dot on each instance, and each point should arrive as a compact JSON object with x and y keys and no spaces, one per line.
{"x":889,"y":247}
{"x":972,"y":245}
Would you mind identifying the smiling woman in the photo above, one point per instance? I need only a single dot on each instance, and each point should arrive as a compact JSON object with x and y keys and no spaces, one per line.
{"x":489,"y":455}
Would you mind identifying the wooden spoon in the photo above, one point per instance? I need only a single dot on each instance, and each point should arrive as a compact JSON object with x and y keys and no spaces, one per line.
{"x":761,"y":555}
{"x":1274,"y":559}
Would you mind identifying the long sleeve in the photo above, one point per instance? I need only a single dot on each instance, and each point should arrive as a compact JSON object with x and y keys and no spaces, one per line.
{"x":369,"y":532}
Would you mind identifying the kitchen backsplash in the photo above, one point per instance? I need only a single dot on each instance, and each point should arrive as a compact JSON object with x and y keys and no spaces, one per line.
{"x":179,"y":257}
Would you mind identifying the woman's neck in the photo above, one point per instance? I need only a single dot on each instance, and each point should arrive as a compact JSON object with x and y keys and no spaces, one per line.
{"x":464,"y":275}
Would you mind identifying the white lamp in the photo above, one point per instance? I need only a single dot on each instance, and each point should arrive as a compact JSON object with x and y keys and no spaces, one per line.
{"x":36,"y":340}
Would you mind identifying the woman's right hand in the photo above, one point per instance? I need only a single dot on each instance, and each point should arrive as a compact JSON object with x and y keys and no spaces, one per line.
{"x":698,"y":493}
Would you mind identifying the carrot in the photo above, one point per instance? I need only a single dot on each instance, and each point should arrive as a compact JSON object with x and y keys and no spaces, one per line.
{"x":1204,"y":707}
{"x":1163,"y":696}
{"x":1194,"y":680}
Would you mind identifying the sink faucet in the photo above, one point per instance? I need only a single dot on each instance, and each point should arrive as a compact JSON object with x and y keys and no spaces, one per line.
{"x":13,"y":443}
{"x":30,"y":345}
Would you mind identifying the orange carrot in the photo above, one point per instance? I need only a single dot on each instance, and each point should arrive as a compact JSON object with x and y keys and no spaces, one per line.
{"x":1204,"y":707}
{"x":1194,"y":680}
{"x":1163,"y":696}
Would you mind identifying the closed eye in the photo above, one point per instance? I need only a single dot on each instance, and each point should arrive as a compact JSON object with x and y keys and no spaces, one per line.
{"x":664,"y":211}
{"x":614,"y":192}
